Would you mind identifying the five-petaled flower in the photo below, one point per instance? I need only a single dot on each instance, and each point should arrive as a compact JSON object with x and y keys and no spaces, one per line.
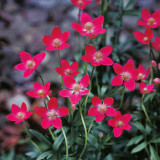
{"x":146,"y":88}
{"x":89,"y":28}
{"x":19,"y":114}
{"x":29,"y":64}
{"x":125,"y":74}
{"x":76,"y":89}
{"x":99,"y":108}
{"x":144,"y":38}
{"x":140,"y":74}
{"x":97,"y":58}
{"x":52,"y":114}
{"x":66,"y":69}
{"x":81,"y":4}
{"x":57,"y":40}
{"x":40,"y":91}
{"x":156,"y":44}
{"x":120,"y":123}
{"x":152,"y":21}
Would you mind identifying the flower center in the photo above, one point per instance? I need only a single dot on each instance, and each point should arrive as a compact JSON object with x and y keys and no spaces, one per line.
{"x":40,"y":92}
{"x":102,"y":108}
{"x":30,"y":64}
{"x":151,"y":21}
{"x":68,"y":72}
{"x":145,"y":39}
{"x":145,"y":90}
{"x":52,"y":114}
{"x":80,"y":3}
{"x":88,"y":26}
{"x":20,"y":115}
{"x":125,"y":76}
{"x":119,"y":124}
{"x":98,"y":56}
{"x":140,"y":75}
{"x":76,"y":87}
{"x":56,"y":42}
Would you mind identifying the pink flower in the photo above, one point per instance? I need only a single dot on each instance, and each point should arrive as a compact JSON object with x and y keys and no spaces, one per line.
{"x":144,"y":38}
{"x":125,"y":74}
{"x":98,"y":2}
{"x":152,"y":21}
{"x":40,"y":91}
{"x":120,"y":123}
{"x":97,"y":58}
{"x":146,"y":88}
{"x":29,"y":64}
{"x":154,"y":63}
{"x":156,"y":44}
{"x":140,"y":74}
{"x":19,"y":114}
{"x":99,"y":108}
{"x":66,"y":69}
{"x":81,"y":4}
{"x":156,"y":81}
{"x":57,"y":40}
{"x":52,"y":115}
{"x":76,"y":89}
{"x":89,"y":28}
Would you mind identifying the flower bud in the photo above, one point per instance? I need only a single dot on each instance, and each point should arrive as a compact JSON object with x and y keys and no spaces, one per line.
{"x":156,"y":81}
{"x":100,"y":134}
{"x":154,"y":64}
{"x":73,"y":107}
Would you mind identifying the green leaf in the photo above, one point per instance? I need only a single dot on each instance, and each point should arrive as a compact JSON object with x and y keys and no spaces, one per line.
{"x":114,"y":91}
{"x":149,"y":97}
{"x":154,"y":154}
{"x":135,"y":140}
{"x":47,"y":155}
{"x":32,"y":154}
{"x":131,"y":12}
{"x":139,"y":126}
{"x":130,"y":2}
{"x":139,"y":147}
{"x":58,"y":142}
{"x":79,"y":141}
{"x":40,"y":136}
{"x":156,"y":140}
{"x":91,"y":139}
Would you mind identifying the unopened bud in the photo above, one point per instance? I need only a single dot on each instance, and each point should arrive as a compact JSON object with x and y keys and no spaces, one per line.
{"x":156,"y":81}
{"x":100,"y":134}
{"x":73,"y":107}
{"x":154,"y":64}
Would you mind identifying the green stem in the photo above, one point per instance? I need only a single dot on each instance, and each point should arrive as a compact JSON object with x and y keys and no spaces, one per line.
{"x":65,"y":142}
{"x":122,"y":98}
{"x":31,"y":138}
{"x":144,"y":110}
{"x":97,"y":83}
{"x":40,"y":76}
{"x":151,"y":78}
{"x":85,"y":129}
{"x":90,"y":127}
{"x":53,"y":137}
{"x":59,"y":59}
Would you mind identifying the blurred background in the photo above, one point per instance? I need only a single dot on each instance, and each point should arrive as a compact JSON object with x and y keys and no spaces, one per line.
{"x":23,"y":23}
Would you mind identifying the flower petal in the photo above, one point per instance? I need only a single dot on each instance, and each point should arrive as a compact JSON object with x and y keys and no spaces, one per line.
{"x":20,"y":67}
{"x":93,"y":111}
{"x":47,"y":40}
{"x":33,"y":94}
{"x":106,"y":51}
{"x":63,"y":111}
{"x":117,"y":81}
{"x":129,"y":66}
{"x":75,"y":98}
{"x":64,"y":64}
{"x":117,"y":68}
{"x":100,"y":117}
{"x":63,"y":46}
{"x":77,"y":27}
{"x":65,"y":93}
{"x":46,"y":123}
{"x":145,"y":14}
{"x":37,"y":86}
{"x":28,"y":72}
{"x":84,"y":92}
{"x":53,"y":104}
{"x":39,"y":57}
{"x":107,"y":61}
{"x":11,"y":117}
{"x":85,"y":18}
{"x":108,"y":101}
{"x":126,"y":117}
{"x":28,"y":114}
{"x":90,"y":50}
{"x":96,"y":101}
{"x":98,"y":22}
{"x":15,"y":109}
{"x":84,"y":82}
{"x":47,"y":86}
{"x":65,"y":36}
{"x":23,"y":107}
{"x":57,"y":123}
{"x":41,"y":111}
{"x":117,"y":131}
{"x":25,"y":56}
{"x":110,"y":111}
{"x":69,"y":81}
{"x":56,"y":33}
{"x":130,"y":84}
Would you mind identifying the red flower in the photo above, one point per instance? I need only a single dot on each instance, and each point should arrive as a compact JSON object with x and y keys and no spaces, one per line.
{"x":97,"y":58}
{"x":140,"y":74}
{"x":124,"y":74}
{"x":156,"y":44}
{"x":57,"y":40}
{"x":52,"y":115}
{"x":98,"y":2}
{"x":120,"y":123}
{"x":81,"y":3}
{"x":76,"y":89}
{"x":156,"y":81}
{"x":19,"y":114}
{"x":66,"y":69}
{"x":144,"y":38}
{"x":146,"y":88}
{"x":40,"y":91}
{"x":99,"y":108}
{"x":29,"y":64}
{"x":89,"y":28}
{"x":152,"y":21}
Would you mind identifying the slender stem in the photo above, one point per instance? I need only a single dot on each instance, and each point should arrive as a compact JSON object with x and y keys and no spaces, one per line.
{"x":31,"y":138}
{"x":97,"y":82}
{"x":40,"y":77}
{"x":45,"y":104}
{"x":90,"y":127}
{"x":65,"y":142}
{"x":151,"y":78}
{"x":59,"y":59}
{"x":53,"y":137}
{"x":85,"y":129}
{"x":144,"y":109}
{"x":94,"y":42}
{"x":122,"y":97}
{"x":79,"y":36}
